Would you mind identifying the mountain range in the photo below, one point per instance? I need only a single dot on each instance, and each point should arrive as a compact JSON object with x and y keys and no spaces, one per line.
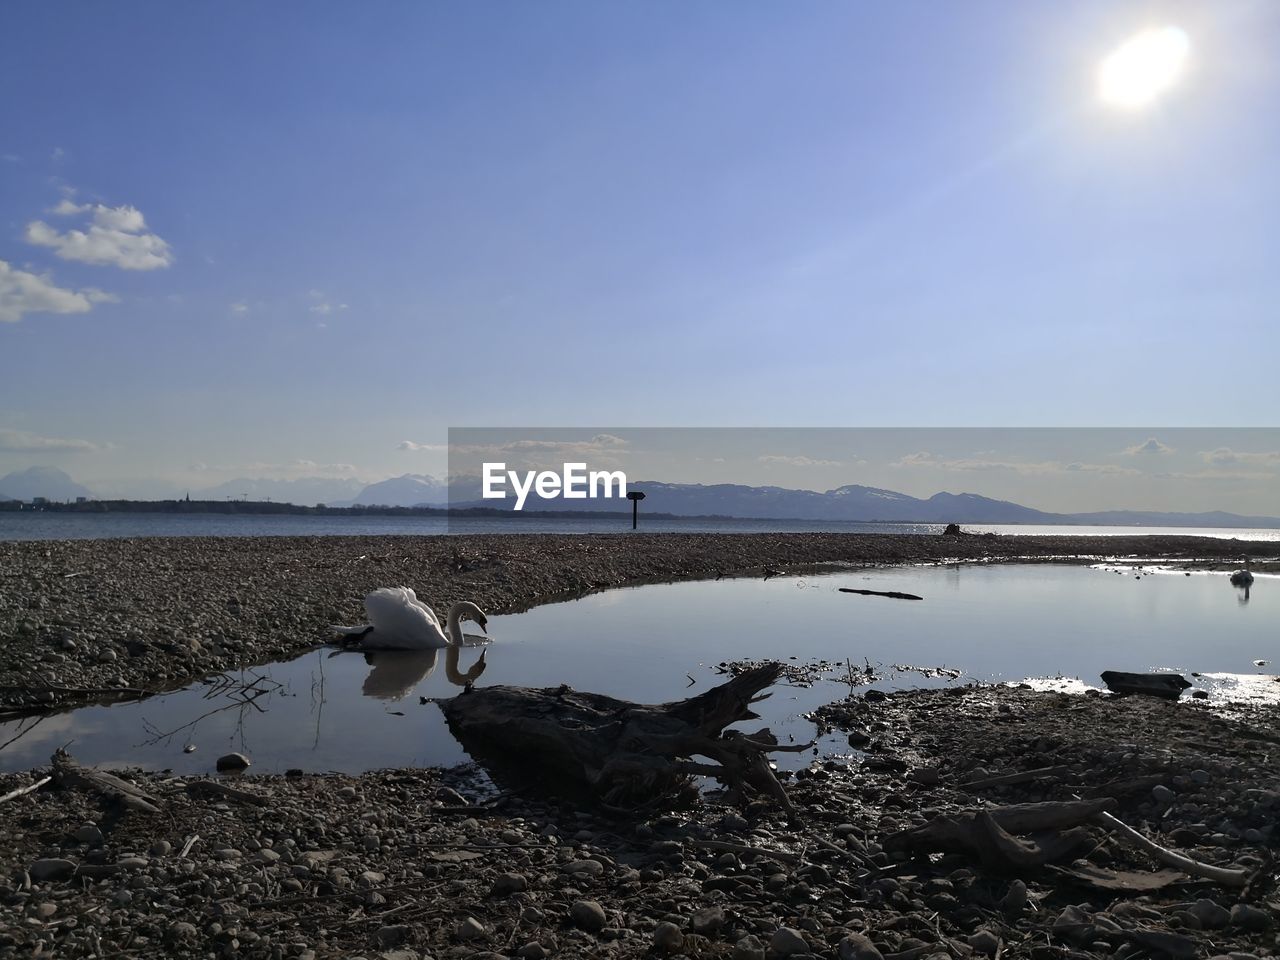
{"x":850,"y":503}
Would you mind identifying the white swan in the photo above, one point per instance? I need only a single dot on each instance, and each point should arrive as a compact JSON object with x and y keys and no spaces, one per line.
{"x":398,"y":620}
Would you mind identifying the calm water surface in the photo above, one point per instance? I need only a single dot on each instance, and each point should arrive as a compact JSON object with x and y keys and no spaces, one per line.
{"x":32,"y":525}
{"x":352,"y":711}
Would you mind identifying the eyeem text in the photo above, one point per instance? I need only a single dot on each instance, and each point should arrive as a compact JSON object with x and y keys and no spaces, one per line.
{"x":574,"y":483}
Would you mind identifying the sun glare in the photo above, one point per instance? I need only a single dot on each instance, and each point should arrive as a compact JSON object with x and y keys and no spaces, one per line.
{"x":1143,"y":67}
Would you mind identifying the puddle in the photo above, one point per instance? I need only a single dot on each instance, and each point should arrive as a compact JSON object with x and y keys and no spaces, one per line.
{"x":353,"y":711}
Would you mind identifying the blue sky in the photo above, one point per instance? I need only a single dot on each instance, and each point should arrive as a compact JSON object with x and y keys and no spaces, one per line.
{"x":312,"y":232}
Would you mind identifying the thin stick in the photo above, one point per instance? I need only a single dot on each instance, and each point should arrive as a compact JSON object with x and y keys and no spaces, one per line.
{"x":27,"y":789}
{"x":1226,"y":876}
{"x":1010,"y":779}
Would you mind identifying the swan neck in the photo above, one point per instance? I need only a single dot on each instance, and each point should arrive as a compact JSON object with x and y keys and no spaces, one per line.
{"x":455,"y":624}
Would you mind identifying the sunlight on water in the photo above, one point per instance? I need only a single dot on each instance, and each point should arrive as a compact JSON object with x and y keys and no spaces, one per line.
{"x":330,"y":710}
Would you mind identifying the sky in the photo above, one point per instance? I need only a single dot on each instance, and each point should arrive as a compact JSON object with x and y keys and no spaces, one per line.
{"x":303,"y":240}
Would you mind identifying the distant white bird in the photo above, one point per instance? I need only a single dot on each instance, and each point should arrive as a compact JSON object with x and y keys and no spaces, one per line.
{"x":1242,"y":578}
{"x":398,"y":620}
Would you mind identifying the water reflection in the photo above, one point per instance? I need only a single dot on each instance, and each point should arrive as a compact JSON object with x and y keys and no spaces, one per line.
{"x":394,"y":674}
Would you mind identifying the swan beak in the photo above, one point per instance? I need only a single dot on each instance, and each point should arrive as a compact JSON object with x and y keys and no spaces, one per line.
{"x":483,"y":625}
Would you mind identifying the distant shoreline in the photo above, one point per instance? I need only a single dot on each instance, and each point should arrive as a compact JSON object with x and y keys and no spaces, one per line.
{"x":268,"y":508}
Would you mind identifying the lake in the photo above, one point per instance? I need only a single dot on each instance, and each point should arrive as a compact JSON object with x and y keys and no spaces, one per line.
{"x":352,"y":711}
{"x":42,"y":525}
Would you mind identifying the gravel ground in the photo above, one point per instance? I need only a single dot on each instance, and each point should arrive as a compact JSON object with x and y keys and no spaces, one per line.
{"x":394,"y":865}
{"x":93,"y":620}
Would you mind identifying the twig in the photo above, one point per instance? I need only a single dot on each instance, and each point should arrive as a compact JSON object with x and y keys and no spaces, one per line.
{"x":30,"y":788}
{"x":191,"y":842}
{"x":1010,"y":779}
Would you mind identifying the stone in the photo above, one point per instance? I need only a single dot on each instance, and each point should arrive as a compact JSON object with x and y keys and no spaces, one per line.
{"x":584,"y":868}
{"x":46,"y":910}
{"x":984,"y":941}
{"x":587,"y":914}
{"x":268,"y":856}
{"x":857,"y":946}
{"x":667,"y":937}
{"x":90,"y":834}
{"x":925,"y":776}
{"x":470,"y":929}
{"x":1015,"y":899}
{"x":393,"y":935}
{"x":506,"y":884}
{"x":707,"y":921}
{"x":1249,"y":917}
{"x":748,"y":948}
{"x":232,"y":763}
{"x":183,"y":930}
{"x":1211,"y":914}
{"x":1162,"y":794}
{"x":787,"y":942}
{"x":161,"y":848}
{"x":51,"y":868}
{"x":532,"y":950}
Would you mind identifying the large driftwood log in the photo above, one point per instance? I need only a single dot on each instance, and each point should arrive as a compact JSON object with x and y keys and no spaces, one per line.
{"x":625,"y":754}
{"x":68,"y":773}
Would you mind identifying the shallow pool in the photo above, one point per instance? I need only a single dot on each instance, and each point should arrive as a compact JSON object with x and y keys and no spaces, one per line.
{"x":353,"y":711}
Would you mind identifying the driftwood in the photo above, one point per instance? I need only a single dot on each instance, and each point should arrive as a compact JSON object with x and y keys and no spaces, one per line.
{"x":1024,"y":776}
{"x":1167,"y":686}
{"x":1227,"y":876}
{"x":989,"y":835}
{"x":211,"y":788}
{"x":894,"y":594}
{"x":29,"y":788}
{"x":68,"y":773}
{"x":624,"y":754}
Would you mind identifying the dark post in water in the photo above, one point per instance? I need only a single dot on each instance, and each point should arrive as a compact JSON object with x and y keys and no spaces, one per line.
{"x":635,"y":496}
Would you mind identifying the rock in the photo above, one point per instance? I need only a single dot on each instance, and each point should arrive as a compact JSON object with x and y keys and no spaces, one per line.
{"x":393,"y":935}
{"x":183,"y":931}
{"x":857,"y":946}
{"x":506,"y":884}
{"x":161,"y":848}
{"x":984,"y":941}
{"x":1015,"y":899}
{"x":1162,"y":794}
{"x":46,"y":910}
{"x":1211,"y":914}
{"x":1074,"y":926}
{"x":587,"y":914}
{"x":748,"y":948}
{"x":90,"y":834}
{"x":787,"y":942}
{"x":232,"y":763}
{"x":347,"y":793}
{"x":584,"y":868}
{"x":52,"y":868}
{"x":532,"y":950}
{"x":875,"y":696}
{"x":470,"y":929}
{"x":1249,"y":917}
{"x":925,"y":776}
{"x":707,"y":921}
{"x":667,"y":937}
{"x":268,"y":856}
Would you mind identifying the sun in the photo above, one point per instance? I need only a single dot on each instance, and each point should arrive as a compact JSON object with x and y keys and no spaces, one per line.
{"x":1142,"y":68}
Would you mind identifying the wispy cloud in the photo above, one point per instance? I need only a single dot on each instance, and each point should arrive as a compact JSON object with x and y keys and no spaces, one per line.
{"x":1226,"y":457}
{"x":1149,"y":447}
{"x":19,"y":441}
{"x":23,"y":292}
{"x":797,"y":461}
{"x":322,"y":304}
{"x":240,"y":308}
{"x":424,"y":447}
{"x":1025,"y":468}
{"x":287,"y":470}
{"x":114,"y":236}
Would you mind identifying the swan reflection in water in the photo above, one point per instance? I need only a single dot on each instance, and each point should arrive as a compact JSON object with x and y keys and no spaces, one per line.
{"x":395,"y":673}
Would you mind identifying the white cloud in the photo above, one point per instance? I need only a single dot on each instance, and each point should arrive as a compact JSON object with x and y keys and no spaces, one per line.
{"x":1041,"y":468}
{"x":414,"y":445}
{"x":323,"y":305}
{"x":1149,"y":446}
{"x":289,"y":470}
{"x":1226,"y":457}
{"x":116,"y":236}
{"x":240,"y":307}
{"x":22,"y":292}
{"x":19,"y":441}
{"x":799,"y":461}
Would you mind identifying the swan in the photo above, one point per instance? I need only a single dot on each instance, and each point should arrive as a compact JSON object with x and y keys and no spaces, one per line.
{"x":398,"y":620}
{"x":1242,"y":578}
